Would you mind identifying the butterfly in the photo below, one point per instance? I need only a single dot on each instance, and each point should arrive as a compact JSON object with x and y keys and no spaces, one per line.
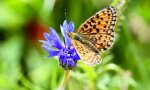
{"x":94,"y":35}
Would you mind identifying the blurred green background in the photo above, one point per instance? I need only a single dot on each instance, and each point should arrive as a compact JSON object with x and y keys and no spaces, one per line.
{"x":23,"y":66}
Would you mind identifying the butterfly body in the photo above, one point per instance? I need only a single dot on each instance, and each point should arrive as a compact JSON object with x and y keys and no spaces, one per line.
{"x":94,"y":35}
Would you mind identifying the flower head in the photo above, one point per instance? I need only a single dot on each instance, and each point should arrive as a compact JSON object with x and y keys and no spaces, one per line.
{"x":67,"y":54}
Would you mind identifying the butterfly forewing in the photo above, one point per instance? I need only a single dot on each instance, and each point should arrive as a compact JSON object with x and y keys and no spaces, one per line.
{"x":99,"y":29}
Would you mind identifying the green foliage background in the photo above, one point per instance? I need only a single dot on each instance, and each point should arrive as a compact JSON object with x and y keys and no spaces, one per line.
{"x":23,"y":66}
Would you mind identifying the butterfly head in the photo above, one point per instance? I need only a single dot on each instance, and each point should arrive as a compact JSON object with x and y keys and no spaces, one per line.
{"x":72,"y":35}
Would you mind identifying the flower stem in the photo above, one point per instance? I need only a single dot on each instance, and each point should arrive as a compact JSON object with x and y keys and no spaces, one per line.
{"x":62,"y":86}
{"x":114,"y":3}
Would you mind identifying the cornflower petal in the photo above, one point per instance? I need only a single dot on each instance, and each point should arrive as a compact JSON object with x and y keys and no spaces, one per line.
{"x":67,"y":28}
{"x":54,"y":39}
{"x":50,"y":51}
{"x":71,"y":27}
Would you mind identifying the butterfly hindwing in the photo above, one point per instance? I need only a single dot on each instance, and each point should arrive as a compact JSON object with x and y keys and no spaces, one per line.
{"x":86,"y":54}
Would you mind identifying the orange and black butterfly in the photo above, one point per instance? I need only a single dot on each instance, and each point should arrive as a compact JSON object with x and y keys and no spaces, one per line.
{"x":94,"y":35}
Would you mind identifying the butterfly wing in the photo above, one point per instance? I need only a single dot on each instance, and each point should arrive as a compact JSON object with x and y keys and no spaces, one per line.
{"x":99,"y":29}
{"x":86,"y":54}
{"x":101,"y":41}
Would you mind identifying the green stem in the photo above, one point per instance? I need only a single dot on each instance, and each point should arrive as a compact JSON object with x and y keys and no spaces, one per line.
{"x":115,"y":2}
{"x":119,"y":5}
{"x":62,"y":86}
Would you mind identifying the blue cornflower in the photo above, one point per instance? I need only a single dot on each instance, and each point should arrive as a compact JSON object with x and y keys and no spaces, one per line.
{"x":67,"y":54}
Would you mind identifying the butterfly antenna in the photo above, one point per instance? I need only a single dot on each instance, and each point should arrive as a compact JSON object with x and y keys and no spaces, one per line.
{"x":66,"y":14}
